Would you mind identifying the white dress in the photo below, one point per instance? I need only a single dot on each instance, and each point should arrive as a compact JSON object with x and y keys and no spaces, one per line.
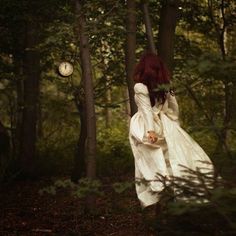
{"x":174,"y":150}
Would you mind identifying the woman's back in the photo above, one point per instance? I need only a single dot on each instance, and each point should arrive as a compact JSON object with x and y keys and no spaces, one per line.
{"x":159,"y":144}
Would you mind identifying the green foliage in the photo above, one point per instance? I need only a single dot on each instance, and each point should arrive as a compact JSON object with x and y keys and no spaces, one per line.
{"x":221,"y":207}
{"x":55,"y":159}
{"x":199,"y":202}
{"x":84,"y":188}
{"x":88,"y":187}
{"x":60,"y":131}
{"x":122,"y":186}
{"x":114,"y":154}
{"x":210,"y":65}
{"x":50,"y":190}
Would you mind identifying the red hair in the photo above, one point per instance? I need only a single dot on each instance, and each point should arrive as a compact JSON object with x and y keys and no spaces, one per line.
{"x":152,"y":72}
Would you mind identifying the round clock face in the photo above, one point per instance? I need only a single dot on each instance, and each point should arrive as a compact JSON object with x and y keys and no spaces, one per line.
{"x":65,"y":69}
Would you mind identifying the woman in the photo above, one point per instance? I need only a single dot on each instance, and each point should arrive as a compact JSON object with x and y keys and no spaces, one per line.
{"x":160,"y":146}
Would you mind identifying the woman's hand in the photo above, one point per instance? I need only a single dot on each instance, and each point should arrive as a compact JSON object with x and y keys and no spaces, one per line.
{"x":152,"y":136}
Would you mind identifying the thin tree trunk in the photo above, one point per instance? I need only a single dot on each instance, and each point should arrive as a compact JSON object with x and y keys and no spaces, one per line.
{"x":107,"y":97}
{"x":148,"y":27}
{"x":233,"y":106}
{"x":130,"y":51}
{"x":19,"y":106}
{"x":227,"y":84}
{"x":127,"y":111}
{"x":221,"y":31}
{"x":31,"y":94}
{"x":108,"y":112}
{"x":40,"y":119}
{"x":166,"y":34}
{"x":4,"y":151}
{"x":89,"y":100}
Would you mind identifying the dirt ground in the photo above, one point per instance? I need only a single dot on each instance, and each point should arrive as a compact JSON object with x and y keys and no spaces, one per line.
{"x":27,"y":213}
{"x":24,"y":212}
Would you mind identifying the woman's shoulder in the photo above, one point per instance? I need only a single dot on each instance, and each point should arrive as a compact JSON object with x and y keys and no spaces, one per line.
{"x":140,"y":88}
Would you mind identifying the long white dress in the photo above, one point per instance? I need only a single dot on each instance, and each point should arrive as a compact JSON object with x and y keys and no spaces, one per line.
{"x":174,"y":151}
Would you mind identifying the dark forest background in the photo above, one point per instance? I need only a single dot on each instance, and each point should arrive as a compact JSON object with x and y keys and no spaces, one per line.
{"x":62,"y":135}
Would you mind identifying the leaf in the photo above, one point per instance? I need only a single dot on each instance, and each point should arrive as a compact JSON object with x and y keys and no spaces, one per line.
{"x":122,"y":186}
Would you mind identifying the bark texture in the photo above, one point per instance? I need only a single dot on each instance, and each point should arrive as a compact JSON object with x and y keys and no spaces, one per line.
{"x":79,"y":159}
{"x":148,"y":27}
{"x":228,"y":113}
{"x":130,"y":52}
{"x":30,"y":96}
{"x":166,"y":34}
{"x":88,"y":90}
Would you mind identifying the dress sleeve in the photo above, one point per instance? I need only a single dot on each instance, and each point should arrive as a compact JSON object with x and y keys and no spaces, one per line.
{"x":144,"y":105}
{"x":173,"y":105}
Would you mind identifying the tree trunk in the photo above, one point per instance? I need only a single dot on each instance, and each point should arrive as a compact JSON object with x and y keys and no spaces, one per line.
{"x":228,"y":88}
{"x":148,"y":27}
{"x":40,"y":133}
{"x":233,"y":105}
{"x":107,"y":97}
{"x":108,"y":112}
{"x":221,"y":31}
{"x":79,"y":159}
{"x":130,"y":52}
{"x":88,"y":89}
{"x":167,"y":25}
{"x":127,"y":111}
{"x":31,"y":94}
{"x":16,"y":135}
{"x":4,"y":151}
{"x":227,"y":117}
{"x":89,"y":100}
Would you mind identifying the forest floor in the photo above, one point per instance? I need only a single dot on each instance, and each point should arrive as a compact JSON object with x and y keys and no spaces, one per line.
{"x":27,"y":213}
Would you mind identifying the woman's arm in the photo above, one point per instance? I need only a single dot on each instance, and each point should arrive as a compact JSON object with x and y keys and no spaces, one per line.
{"x":172,"y":104}
{"x":144,"y":106}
